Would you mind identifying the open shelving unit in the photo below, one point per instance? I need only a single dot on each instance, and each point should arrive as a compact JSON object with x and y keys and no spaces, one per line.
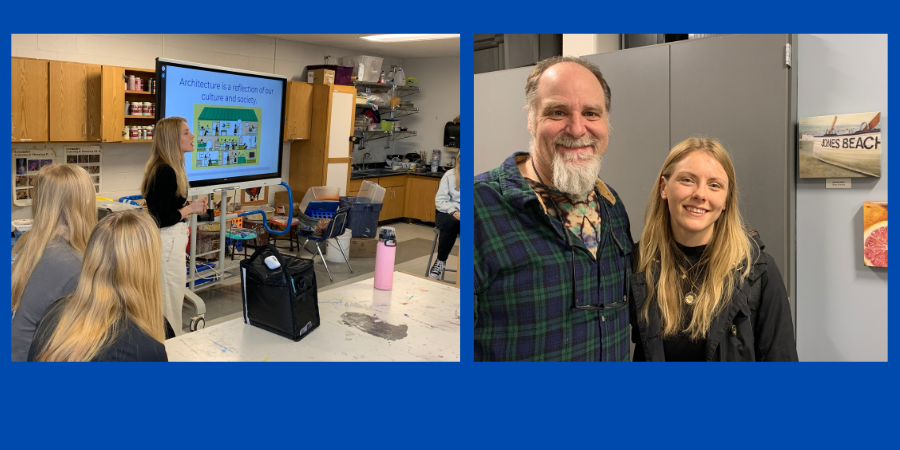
{"x":393,"y":112}
{"x":138,"y":96}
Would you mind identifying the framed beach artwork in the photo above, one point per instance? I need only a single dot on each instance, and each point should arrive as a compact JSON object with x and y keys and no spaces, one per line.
{"x":840,"y":146}
{"x":255,"y":196}
{"x":875,"y":234}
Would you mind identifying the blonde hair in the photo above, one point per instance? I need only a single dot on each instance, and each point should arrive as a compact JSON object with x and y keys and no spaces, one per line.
{"x":166,"y":150}
{"x":456,"y":169}
{"x":120,"y":278}
{"x":729,"y":246}
{"x":63,"y":204}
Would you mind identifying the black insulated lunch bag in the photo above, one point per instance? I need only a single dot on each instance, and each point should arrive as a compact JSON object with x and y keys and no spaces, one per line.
{"x":283,"y":301}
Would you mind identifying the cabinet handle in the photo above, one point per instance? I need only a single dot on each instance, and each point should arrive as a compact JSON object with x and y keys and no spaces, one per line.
{"x":92,"y":129}
{"x":84,"y":129}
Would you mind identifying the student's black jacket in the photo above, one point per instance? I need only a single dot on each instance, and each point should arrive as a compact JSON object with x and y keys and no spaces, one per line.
{"x":755,"y":325}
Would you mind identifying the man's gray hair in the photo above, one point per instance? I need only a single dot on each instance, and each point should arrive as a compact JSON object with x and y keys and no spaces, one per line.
{"x":531,"y":86}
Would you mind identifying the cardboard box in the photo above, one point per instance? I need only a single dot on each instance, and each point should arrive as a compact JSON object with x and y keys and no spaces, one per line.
{"x":281,"y":199}
{"x":363,"y":247}
{"x":320,"y":76}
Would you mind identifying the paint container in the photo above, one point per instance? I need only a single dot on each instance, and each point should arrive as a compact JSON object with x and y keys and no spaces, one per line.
{"x":150,"y":132}
{"x":152,"y":110}
{"x":146,"y":108}
{"x":131,"y":82}
{"x":385,"y":254}
{"x":127,"y":108}
{"x":134,"y":133}
{"x":127,"y":135}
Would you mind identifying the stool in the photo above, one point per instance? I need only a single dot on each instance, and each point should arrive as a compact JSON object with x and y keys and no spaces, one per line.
{"x":238,"y":235}
{"x":292,"y":234}
{"x":437,"y":234}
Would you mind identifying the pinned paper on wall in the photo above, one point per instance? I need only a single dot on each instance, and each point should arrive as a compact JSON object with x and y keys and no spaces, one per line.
{"x":27,"y":163}
{"x":90,"y":158}
{"x":255,"y":196}
{"x":875,"y":216}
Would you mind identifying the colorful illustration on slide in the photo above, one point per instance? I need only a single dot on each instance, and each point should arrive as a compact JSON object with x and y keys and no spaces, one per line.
{"x":225,"y":136}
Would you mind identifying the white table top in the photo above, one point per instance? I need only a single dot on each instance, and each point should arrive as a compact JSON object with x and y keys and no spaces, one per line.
{"x":418,"y":320}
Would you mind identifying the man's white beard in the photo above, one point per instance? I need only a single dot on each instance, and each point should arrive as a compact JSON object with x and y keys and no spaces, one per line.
{"x":575,"y":179}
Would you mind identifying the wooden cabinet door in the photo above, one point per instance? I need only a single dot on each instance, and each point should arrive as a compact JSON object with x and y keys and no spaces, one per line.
{"x":93,"y":74}
{"x":68,"y":101}
{"x":389,"y":207}
{"x":398,"y":205}
{"x":420,"y":198}
{"x":416,"y":198}
{"x":112,"y":103}
{"x":29,"y":99}
{"x":298,"y":111}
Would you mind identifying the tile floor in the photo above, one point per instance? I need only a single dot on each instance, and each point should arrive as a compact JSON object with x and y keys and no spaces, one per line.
{"x":223,"y":301}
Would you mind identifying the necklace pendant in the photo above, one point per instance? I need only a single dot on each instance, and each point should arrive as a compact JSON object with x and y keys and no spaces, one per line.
{"x":689,"y":298}
{"x":683,"y":276}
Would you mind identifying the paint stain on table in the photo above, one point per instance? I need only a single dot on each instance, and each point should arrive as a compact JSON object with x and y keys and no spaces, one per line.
{"x":374,"y":326}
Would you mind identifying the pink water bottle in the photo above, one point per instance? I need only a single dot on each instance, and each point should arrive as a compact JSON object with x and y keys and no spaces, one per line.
{"x":385,"y":253}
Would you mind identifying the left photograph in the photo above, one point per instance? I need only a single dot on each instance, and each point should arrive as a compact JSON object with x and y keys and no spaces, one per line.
{"x":266,"y":197}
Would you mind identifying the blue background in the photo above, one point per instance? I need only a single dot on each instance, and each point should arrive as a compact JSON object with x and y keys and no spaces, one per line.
{"x":390,"y":405}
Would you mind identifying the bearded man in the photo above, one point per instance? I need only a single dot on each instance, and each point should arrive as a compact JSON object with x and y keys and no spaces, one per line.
{"x":552,"y":241}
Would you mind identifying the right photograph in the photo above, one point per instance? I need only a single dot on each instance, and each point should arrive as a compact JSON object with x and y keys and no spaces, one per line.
{"x":644,"y":197}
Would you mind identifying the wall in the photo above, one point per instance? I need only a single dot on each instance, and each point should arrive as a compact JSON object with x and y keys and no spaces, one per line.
{"x":123,"y":163}
{"x":590,"y":44}
{"x":500,"y":122}
{"x":841,"y":303}
{"x":438,"y":104}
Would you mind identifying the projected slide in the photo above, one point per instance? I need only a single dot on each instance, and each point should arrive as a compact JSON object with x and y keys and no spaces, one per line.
{"x":235,"y":118}
{"x":225,"y":136}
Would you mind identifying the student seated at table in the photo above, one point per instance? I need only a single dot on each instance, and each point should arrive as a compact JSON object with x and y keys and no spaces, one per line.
{"x":446,"y":218}
{"x":48,"y":258}
{"x":115,"y":313}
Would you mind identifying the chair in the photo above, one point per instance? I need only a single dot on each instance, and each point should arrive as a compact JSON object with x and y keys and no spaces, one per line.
{"x":437,"y":234}
{"x":336,"y":228}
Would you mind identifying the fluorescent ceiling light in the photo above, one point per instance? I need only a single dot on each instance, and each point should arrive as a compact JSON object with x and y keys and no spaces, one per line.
{"x":408,"y":37}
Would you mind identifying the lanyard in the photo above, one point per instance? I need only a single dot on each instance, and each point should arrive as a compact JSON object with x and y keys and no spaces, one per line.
{"x":610,"y":306}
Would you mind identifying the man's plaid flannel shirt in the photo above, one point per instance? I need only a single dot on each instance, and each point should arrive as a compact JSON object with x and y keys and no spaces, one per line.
{"x":524,"y":282}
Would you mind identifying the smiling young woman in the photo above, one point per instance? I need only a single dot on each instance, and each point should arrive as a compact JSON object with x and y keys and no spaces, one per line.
{"x":703,"y":288}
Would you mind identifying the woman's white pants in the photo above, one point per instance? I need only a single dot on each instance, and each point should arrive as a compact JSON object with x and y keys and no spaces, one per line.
{"x":174,"y":273}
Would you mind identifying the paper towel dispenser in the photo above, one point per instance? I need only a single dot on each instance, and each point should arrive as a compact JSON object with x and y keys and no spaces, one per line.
{"x":451,"y":135}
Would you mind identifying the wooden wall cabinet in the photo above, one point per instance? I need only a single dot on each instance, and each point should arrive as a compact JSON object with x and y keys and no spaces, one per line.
{"x":29,"y":99}
{"x":420,"y":198}
{"x":324,"y":158}
{"x":298,"y":110}
{"x":75,"y":102}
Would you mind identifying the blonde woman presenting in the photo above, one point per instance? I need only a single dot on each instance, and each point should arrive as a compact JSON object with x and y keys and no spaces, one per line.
{"x":48,"y":258}
{"x":115,"y":313}
{"x":165,"y":187}
{"x":446,"y":218}
{"x":704,"y":289}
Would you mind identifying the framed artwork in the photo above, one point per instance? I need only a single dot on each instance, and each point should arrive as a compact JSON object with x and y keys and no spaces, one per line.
{"x":875,"y":234}
{"x":840,"y":146}
{"x":255,"y":196}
